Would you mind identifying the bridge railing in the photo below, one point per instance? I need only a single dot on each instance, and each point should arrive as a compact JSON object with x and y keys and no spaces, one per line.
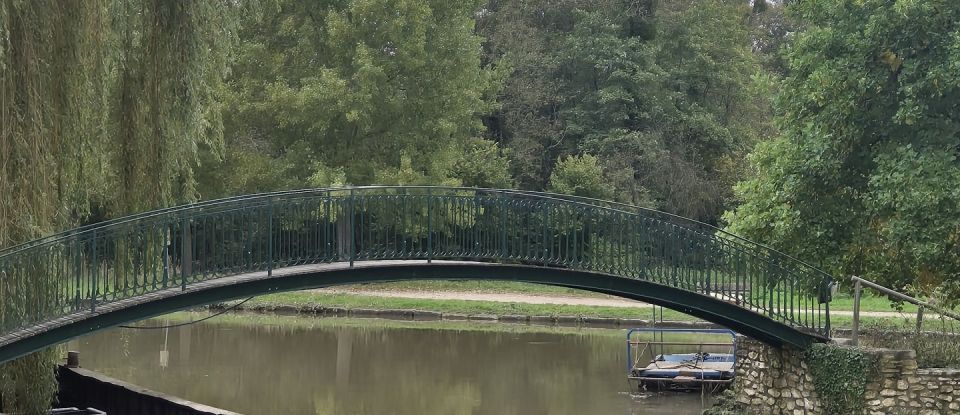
{"x":82,"y":269}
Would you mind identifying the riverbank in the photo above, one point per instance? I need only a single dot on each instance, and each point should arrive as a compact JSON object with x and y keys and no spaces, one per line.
{"x":422,"y":313}
{"x":552,"y":306}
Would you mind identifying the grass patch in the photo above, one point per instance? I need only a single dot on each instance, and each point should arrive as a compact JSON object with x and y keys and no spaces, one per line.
{"x":349,"y":301}
{"x":842,"y":301}
{"x":869,"y":303}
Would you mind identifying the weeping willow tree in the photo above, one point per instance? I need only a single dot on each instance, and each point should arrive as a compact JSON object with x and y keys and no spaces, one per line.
{"x":169,"y":63}
{"x":104,"y":105}
{"x":50,"y":98}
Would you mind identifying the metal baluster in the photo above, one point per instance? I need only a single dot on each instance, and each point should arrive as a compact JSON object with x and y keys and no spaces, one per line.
{"x":353,"y":247}
{"x":94,"y":288}
{"x":166,"y":255}
{"x":269,"y":236}
{"x":429,"y":225}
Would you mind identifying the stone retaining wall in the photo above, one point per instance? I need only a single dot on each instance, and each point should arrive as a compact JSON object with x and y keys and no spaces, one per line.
{"x":939,"y":389}
{"x":774,"y":381}
{"x":901,"y":388}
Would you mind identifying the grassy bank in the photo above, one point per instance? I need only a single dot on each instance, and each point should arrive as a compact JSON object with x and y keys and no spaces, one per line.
{"x":467,"y":307}
{"x":307,"y":300}
{"x":842,"y":302}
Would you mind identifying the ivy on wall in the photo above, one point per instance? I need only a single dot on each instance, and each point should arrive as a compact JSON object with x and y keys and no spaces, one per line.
{"x":726,"y":404}
{"x":840,"y":376}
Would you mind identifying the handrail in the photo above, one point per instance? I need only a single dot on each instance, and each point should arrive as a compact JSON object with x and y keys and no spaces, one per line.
{"x":184,"y":245}
{"x":545,"y":195}
{"x":922,"y":305}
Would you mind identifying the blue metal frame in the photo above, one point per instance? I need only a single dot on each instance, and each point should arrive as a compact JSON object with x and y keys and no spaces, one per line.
{"x":733,"y":336}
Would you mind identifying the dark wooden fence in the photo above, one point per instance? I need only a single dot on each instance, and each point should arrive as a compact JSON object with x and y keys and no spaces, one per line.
{"x":87,"y":389}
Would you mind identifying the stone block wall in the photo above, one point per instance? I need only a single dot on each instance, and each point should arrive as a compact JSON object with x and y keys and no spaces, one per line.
{"x":774,"y":381}
{"x":938,"y":391}
{"x":901,"y":388}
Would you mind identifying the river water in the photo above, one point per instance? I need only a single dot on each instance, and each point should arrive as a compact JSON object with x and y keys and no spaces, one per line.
{"x":255,"y":364}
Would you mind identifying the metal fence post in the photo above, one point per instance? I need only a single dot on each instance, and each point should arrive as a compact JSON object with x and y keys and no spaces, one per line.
{"x":429,"y":225}
{"x":919,"y":318}
{"x":94,"y":289}
{"x":826,"y":331}
{"x":77,"y":270}
{"x":327,"y":229}
{"x":503,"y":227}
{"x":186,"y":251}
{"x":546,"y":218}
{"x":856,"y":312}
{"x":269,"y":236}
{"x":353,"y":240}
{"x":166,"y":255}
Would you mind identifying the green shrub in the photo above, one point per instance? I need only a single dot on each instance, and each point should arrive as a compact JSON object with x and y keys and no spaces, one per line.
{"x":840,"y":376}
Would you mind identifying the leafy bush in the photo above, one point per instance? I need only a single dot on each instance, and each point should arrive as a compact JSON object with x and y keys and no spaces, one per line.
{"x":840,"y":376}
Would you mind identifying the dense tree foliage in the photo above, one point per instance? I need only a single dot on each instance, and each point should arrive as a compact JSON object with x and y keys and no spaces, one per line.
{"x":357,"y":92}
{"x":580,"y":176}
{"x":362,"y":92}
{"x":865,"y":178}
{"x":103,"y":106}
{"x":661,"y":92}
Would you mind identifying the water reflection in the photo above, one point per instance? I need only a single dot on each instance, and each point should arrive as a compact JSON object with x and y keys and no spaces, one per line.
{"x":296,"y":365}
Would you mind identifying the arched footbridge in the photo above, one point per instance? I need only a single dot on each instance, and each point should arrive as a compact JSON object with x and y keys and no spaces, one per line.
{"x":123,"y":270}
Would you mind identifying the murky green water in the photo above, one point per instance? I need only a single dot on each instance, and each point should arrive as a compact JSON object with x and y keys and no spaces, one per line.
{"x":301,"y":365}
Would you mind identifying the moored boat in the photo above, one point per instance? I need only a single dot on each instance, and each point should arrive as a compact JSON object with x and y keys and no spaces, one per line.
{"x":707,"y":366}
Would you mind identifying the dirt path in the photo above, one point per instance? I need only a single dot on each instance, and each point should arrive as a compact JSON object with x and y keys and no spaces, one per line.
{"x":543,"y":299}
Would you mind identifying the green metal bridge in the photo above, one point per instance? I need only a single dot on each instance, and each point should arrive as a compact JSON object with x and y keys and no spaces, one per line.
{"x":123,"y":270}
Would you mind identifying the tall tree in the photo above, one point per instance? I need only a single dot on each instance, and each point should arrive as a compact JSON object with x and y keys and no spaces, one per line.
{"x":50,"y":153}
{"x":169,"y":62}
{"x":865,"y":176}
{"x":360,"y":92}
{"x":662,"y":93}
{"x":72,"y":100}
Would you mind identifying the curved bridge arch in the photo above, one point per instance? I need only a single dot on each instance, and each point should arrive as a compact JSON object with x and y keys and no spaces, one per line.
{"x":124,"y":270}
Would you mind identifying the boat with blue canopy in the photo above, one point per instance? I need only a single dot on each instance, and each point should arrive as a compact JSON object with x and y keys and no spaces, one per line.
{"x":706,"y":363}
